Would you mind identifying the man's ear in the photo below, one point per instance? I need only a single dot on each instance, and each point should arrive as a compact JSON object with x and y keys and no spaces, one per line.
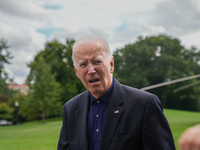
{"x":112,"y":65}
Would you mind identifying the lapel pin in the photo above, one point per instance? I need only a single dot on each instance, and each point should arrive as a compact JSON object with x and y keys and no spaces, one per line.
{"x":116,"y":111}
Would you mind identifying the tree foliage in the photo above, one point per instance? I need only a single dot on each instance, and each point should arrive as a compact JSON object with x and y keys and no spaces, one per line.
{"x":58,"y":57}
{"x":4,"y":99}
{"x":5,"y":111}
{"x":158,"y":59}
{"x":45,"y":91}
{"x":5,"y":93}
{"x":5,"y":57}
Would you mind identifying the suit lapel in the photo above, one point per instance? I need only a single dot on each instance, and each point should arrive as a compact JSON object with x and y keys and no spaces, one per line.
{"x":114,"y":112}
{"x":81,"y":119}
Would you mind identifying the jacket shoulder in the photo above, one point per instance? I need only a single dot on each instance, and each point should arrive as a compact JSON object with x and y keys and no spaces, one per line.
{"x":129,"y":91}
{"x":135,"y":91}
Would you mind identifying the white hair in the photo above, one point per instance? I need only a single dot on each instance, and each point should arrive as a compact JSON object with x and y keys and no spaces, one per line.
{"x":88,"y":39}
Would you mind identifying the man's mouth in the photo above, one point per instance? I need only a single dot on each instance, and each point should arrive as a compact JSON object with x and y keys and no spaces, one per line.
{"x":94,"y":81}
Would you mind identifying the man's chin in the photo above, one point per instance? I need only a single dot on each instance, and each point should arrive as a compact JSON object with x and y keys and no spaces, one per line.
{"x":96,"y":93}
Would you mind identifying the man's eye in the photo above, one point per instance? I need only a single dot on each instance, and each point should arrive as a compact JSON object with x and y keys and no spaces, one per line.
{"x":97,"y":62}
{"x":82,"y":65}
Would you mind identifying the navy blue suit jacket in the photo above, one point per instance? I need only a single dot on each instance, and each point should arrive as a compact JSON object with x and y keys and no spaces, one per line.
{"x":134,"y":121}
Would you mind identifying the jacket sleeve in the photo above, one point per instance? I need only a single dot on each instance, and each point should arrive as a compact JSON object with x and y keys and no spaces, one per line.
{"x":156,"y":130}
{"x":63,"y":143}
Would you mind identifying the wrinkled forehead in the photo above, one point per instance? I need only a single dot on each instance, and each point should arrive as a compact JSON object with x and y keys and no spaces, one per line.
{"x":89,"y":51}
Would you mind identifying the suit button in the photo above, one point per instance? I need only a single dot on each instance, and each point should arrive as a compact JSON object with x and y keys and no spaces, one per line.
{"x":97,"y":115}
{"x":97,"y":130}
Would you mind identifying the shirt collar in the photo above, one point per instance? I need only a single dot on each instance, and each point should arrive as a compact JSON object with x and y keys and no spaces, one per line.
{"x":104,"y":98}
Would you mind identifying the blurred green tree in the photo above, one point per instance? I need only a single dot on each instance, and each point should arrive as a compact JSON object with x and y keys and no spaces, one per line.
{"x":158,"y":59}
{"x":45,"y":91}
{"x":58,"y":57}
{"x":5,"y":111}
{"x":5,"y":57}
{"x":5,"y":93}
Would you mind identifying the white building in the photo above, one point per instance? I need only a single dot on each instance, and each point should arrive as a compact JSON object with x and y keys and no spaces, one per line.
{"x":23,"y":88}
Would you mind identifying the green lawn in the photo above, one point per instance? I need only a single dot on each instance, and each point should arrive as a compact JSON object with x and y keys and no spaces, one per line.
{"x":38,"y":136}
{"x":30,"y":136}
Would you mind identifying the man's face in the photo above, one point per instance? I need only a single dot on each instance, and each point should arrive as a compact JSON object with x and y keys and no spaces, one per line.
{"x":93,"y":68}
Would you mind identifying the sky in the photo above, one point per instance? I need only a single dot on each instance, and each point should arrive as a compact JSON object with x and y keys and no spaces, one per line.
{"x":27,"y":25}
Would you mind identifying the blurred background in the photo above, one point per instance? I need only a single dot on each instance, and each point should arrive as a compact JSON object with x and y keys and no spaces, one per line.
{"x":152,"y":42}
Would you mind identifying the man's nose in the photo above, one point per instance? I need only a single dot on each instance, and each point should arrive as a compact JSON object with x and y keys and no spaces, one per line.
{"x":91,"y":69}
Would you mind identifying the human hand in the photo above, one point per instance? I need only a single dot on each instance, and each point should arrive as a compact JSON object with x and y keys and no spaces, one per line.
{"x":190,"y":139}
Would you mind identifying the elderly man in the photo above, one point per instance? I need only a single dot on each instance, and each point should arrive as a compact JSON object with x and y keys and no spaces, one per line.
{"x":109,"y":115}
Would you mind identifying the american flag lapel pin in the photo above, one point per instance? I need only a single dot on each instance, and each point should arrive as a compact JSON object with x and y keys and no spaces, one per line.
{"x":116,"y":111}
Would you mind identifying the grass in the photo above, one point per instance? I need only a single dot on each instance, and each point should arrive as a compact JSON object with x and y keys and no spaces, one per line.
{"x":31,"y":136}
{"x":38,"y":136}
